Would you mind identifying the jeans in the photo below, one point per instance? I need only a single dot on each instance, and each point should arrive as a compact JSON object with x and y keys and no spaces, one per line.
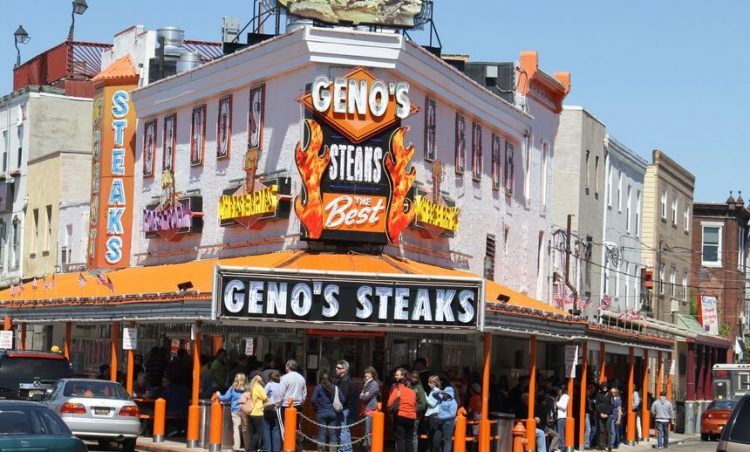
{"x":328,"y":435}
{"x":271,"y":432}
{"x":434,"y":433}
{"x":602,"y":427}
{"x":561,"y":431}
{"x":587,"y":432}
{"x":614,"y":432}
{"x":402,"y":432}
{"x":662,"y":433}
{"x":541,"y":441}
{"x":447,"y":427}
{"x":368,"y":431}
{"x":415,"y":436}
{"x":346,"y":435}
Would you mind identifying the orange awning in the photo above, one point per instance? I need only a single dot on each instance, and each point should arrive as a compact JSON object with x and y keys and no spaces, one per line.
{"x":495,"y":293}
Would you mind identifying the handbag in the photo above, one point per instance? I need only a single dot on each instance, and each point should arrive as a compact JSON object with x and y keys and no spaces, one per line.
{"x":337,"y":405}
{"x":246,"y":403}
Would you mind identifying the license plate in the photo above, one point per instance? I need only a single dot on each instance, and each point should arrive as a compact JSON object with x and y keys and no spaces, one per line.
{"x":101,"y":411}
{"x":35,"y":393}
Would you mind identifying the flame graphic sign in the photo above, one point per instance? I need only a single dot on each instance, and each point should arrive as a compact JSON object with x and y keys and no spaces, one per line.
{"x":311,"y":165}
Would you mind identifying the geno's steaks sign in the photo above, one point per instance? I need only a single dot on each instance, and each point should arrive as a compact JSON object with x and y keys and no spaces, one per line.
{"x":291,"y":296}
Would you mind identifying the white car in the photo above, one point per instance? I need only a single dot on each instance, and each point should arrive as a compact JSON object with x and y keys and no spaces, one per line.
{"x":96,"y":409}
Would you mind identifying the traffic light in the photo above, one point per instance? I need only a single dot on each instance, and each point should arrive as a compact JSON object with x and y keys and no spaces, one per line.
{"x":647,"y":276}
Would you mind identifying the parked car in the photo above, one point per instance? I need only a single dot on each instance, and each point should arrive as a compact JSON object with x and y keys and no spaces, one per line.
{"x":96,"y":409}
{"x":31,"y":426}
{"x":735,"y":437}
{"x":715,"y":417}
{"x":28,"y":374}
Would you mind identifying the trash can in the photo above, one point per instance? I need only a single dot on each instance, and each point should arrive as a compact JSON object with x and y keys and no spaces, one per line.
{"x":204,"y":419}
{"x":227,"y":429}
{"x":504,"y":430}
{"x":680,"y":417}
{"x":689,"y":415}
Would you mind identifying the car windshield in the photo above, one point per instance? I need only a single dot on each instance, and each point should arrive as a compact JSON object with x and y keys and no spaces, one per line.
{"x":95,"y":389}
{"x":28,"y":368}
{"x":31,"y":420}
{"x":722,"y":405}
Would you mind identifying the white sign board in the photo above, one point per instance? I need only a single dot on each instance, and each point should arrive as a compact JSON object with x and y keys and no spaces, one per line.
{"x":6,"y":340}
{"x":709,"y":315}
{"x":249,"y":346}
{"x":571,"y":360}
{"x":130,"y":338}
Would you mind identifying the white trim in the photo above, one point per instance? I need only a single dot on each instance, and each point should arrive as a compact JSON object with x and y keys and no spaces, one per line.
{"x":720,"y":226}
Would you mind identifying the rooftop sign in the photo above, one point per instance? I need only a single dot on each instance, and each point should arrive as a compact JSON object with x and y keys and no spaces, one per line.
{"x":389,"y":13}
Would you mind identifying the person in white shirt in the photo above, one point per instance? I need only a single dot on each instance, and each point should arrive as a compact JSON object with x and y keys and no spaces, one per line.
{"x":562,"y":413}
{"x":292,"y":385}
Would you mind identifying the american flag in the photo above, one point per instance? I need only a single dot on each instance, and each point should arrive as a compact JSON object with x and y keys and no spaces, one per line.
{"x":101,"y":279}
{"x":34,"y":283}
{"x":582,"y":302}
{"x":606,"y":301}
{"x":111,"y":286}
{"x":52,"y":283}
{"x":81,"y":280}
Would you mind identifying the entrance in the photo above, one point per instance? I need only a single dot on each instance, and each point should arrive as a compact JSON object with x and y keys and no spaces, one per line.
{"x":325,"y":348}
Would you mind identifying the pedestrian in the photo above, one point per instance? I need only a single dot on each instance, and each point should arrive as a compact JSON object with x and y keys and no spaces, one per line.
{"x":637,"y":411}
{"x":325,"y":414}
{"x":615,"y":419}
{"x":255,"y":399}
{"x":219,"y":369}
{"x":271,"y":426}
{"x":370,"y":396}
{"x":447,"y":417}
{"x":232,"y":396}
{"x":416,"y":385}
{"x":434,"y":434}
{"x":590,"y":432}
{"x":562,"y":413}
{"x":661,"y":409}
{"x":548,"y":413}
{"x":402,"y":404}
{"x":291,"y":386}
{"x":603,"y":412}
{"x":349,"y":400}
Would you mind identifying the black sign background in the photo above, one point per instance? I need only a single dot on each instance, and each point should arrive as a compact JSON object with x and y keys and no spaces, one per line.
{"x":348,"y":286}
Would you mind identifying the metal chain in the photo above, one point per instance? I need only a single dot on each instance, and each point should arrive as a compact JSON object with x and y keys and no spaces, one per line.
{"x":336,"y":446}
{"x":332,"y":427}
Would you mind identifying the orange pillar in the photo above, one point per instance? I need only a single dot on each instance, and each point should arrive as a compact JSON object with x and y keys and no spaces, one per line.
{"x":215,"y":426}
{"x":631,"y":388}
{"x":66,"y":345}
{"x":484,"y":423}
{"x":582,"y":401}
{"x":602,"y":363}
{"x":218,"y":342}
{"x":530,"y":422}
{"x":378,"y":430}
{"x":160,"y":413}
{"x":570,"y":421}
{"x":290,"y":428}
{"x":669,"y":383}
{"x":459,"y":437}
{"x":131,"y":368}
{"x":193,"y":427}
{"x":645,"y":413}
{"x":22,"y":345}
{"x":660,"y":377}
{"x":113,"y":363}
{"x":8,"y":323}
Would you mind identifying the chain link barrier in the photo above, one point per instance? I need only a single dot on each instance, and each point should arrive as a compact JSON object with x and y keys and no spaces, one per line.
{"x":335,"y":446}
{"x":331,"y":427}
{"x":352,"y":443}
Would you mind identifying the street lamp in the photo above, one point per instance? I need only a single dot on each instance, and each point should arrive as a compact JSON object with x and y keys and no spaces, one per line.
{"x":79,"y":7}
{"x":22,"y":37}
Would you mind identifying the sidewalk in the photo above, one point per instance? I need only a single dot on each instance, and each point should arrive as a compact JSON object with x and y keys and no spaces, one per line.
{"x":147,"y":444}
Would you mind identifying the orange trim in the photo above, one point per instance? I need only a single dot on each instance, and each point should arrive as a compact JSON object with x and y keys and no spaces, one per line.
{"x":34,"y":355}
{"x":363,"y":334}
{"x":536,"y":83}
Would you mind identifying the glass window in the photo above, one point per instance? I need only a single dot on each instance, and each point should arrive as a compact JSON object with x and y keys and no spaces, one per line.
{"x":476,"y":150}
{"x":48,"y":238}
{"x":619,"y":192}
{"x":672,"y":282}
{"x":35,"y":232}
{"x":685,"y":291}
{"x":588,"y":170}
{"x":739,"y":424}
{"x":496,"y":165}
{"x":93,"y":388}
{"x":674,"y":210}
{"x":711,"y":244}
{"x":460,"y":148}
{"x":509,"y":167}
{"x":627,"y":211}
{"x":661,"y":278}
{"x":430,"y":137}
{"x":20,"y":144}
{"x":664,"y":204}
{"x":686,"y":215}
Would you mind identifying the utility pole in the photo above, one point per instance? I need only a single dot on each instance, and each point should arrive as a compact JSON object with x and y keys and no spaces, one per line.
{"x":660,"y":288}
{"x":568,"y":256}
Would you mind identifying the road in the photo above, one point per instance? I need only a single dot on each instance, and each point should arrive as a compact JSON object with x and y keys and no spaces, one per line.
{"x":701,"y":446}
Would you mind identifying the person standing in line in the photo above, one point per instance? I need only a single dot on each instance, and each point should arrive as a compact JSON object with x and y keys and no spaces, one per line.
{"x":590,"y":428}
{"x":637,"y":411}
{"x":232,"y":396}
{"x":370,"y":396}
{"x":271,"y":427}
{"x":254,"y":426}
{"x":434,"y":435}
{"x":219,"y":369}
{"x":603,"y":412}
{"x":416,"y":384}
{"x":325,"y":414}
{"x":402,"y":403}
{"x":661,"y":409}
{"x":348,"y":397}
{"x":291,"y":386}
{"x":447,"y":417}
{"x":615,"y":419}
{"x":562,"y":413}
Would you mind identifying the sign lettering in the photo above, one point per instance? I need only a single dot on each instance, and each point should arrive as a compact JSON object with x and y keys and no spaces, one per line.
{"x":433,"y":214}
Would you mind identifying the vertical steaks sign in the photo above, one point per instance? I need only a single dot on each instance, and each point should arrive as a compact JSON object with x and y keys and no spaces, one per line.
{"x":353,"y":160}
{"x":338,"y":298}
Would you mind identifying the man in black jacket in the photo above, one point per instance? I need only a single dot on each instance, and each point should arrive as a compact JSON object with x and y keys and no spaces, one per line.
{"x":603,"y":412}
{"x":350,"y":399}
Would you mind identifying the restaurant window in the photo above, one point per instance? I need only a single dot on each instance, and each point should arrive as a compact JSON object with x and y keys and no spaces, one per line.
{"x":476,"y":151}
{"x":489,"y":257}
{"x":48,"y":238}
{"x":430,"y":134}
{"x":510,"y":167}
{"x":496,"y":158}
{"x":460,"y":144}
{"x":711,"y":246}
{"x":224,"y":128}
{"x":663,"y":204}
{"x":198,"y":136}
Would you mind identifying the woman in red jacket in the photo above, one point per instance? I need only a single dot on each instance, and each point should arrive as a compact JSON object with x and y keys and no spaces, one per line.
{"x":402,"y":403}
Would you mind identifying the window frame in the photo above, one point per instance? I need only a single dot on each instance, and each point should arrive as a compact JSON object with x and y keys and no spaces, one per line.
{"x":663,"y":201}
{"x":510,"y":167}
{"x":675,"y":208}
{"x":619,"y":192}
{"x":430,"y":126}
{"x":496,"y":161}
{"x":197,"y":156}
{"x":258,"y":90}
{"x":459,"y":150}
{"x":686,"y":216}
{"x":228,"y":101}
{"x":545,"y":172}
{"x":720,"y":227}
{"x":151,"y":125}
{"x":628,"y":209}
{"x":476,"y":151}
{"x":169,"y":124}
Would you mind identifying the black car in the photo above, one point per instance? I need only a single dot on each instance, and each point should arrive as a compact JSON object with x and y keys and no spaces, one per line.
{"x":735,"y":437}
{"x":28,"y":374}
{"x":34,"y":427}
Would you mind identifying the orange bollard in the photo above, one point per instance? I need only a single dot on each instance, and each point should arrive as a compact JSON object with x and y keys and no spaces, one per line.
{"x":378,"y":430}
{"x":290,"y":428}
{"x":519,"y":437}
{"x":214,"y":429}
{"x":193,"y":427}
{"x":160,"y":414}
{"x":459,"y":434}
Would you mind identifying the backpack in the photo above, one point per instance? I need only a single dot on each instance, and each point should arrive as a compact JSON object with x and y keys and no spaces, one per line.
{"x":246,"y":403}
{"x":337,"y":405}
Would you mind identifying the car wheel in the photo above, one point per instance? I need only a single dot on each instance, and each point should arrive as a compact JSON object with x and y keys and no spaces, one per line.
{"x":128,"y":445}
{"x":705,"y":437}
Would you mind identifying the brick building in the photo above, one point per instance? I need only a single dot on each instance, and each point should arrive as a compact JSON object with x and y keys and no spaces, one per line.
{"x":718,"y":265}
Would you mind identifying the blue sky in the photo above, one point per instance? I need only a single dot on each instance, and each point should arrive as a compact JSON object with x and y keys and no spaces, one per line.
{"x":669,"y":74}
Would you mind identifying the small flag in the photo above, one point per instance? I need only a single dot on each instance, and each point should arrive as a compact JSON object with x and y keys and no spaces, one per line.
{"x":52,"y":283}
{"x":34,"y":284}
{"x":101,"y":279}
{"x":12,"y":290}
{"x":111,"y":286}
{"x":20,"y":287}
{"x":81,"y":280}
